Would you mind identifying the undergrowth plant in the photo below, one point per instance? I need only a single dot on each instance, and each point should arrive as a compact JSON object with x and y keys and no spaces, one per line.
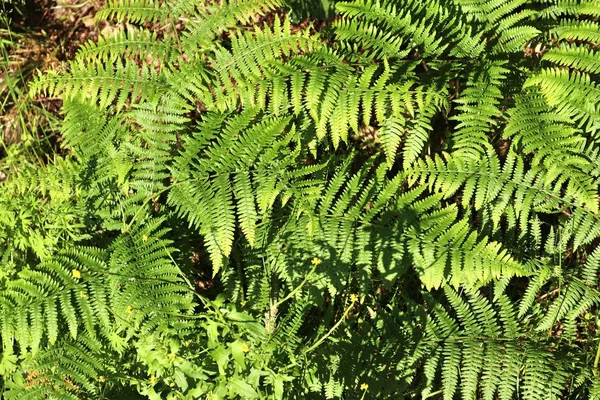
{"x":28,"y":125}
{"x":400,"y":201}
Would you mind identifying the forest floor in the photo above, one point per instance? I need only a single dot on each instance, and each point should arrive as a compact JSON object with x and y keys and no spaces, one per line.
{"x":35,"y":36}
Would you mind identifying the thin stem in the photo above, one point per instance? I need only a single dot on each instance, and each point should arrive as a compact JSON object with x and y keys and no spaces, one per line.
{"x":333,"y":328}
{"x":293,"y":292}
{"x":432,"y":394}
{"x":597,"y":359}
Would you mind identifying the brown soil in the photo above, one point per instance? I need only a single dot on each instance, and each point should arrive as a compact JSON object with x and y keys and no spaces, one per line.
{"x":57,"y":27}
{"x":45,"y":33}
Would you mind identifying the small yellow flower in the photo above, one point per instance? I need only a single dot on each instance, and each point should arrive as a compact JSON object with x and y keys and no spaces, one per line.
{"x":153,"y":379}
{"x":353,"y":298}
{"x":243,"y":303}
{"x":129,"y":309}
{"x":76,"y":274}
{"x":172,"y":356}
{"x":316,"y":261}
{"x":145,"y":238}
{"x":245,"y":348}
{"x":101,"y":379}
{"x":82,"y":295}
{"x":364,"y":386}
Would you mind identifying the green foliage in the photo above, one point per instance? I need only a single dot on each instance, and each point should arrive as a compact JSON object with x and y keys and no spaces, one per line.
{"x":400,"y":202}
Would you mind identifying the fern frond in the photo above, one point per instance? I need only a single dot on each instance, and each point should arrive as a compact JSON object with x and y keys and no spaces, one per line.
{"x":134,"y":11}
{"x":572,"y":93}
{"x":214,"y":18}
{"x":244,"y":145}
{"x":487,"y":183}
{"x":544,"y":134}
{"x":252,"y":55}
{"x":126,"y":44}
{"x":246,"y":205}
{"x":587,"y":31}
{"x":576,"y":57}
{"x":446,"y":249}
{"x":479,"y":109}
{"x":571,"y":8}
{"x":575,"y":298}
{"x":102,"y":84}
{"x":591,"y":267}
{"x":503,"y":21}
{"x":392,"y":31}
{"x":516,"y":352}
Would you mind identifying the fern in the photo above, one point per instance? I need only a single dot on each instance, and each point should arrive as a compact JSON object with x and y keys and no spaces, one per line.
{"x":212,"y":19}
{"x":399,"y":200}
{"x":103,"y":84}
{"x":485,"y":348}
{"x":135,"y":11}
